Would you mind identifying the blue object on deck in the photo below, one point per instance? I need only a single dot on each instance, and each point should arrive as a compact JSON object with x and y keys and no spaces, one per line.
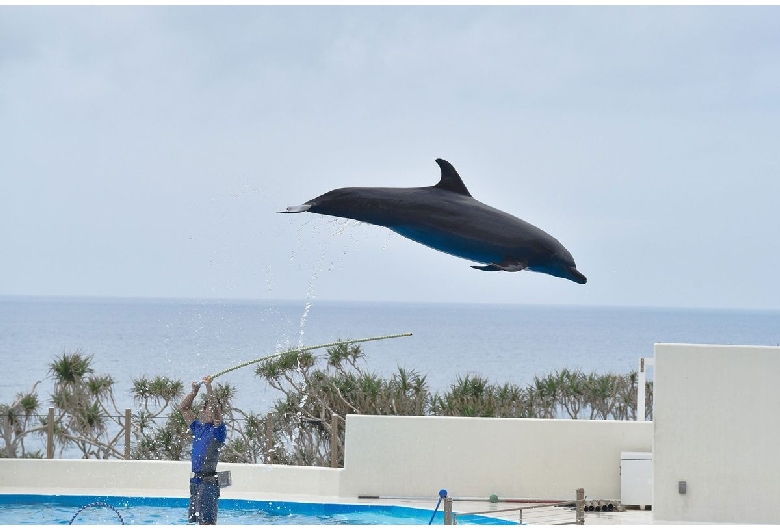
{"x":442,"y":495}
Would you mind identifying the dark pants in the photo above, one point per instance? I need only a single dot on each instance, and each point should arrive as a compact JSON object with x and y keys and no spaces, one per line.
{"x":204,"y":497}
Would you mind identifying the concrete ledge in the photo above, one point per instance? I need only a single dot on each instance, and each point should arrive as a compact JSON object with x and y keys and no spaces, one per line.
{"x":161,"y":479}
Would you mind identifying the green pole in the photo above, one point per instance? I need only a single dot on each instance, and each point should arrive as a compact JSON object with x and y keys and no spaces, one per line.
{"x":309,"y":348}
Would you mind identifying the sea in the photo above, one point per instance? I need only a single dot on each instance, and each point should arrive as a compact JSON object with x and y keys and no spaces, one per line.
{"x":187,"y":339}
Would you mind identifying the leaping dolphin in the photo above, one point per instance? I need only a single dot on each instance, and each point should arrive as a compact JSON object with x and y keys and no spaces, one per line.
{"x":447,"y":218}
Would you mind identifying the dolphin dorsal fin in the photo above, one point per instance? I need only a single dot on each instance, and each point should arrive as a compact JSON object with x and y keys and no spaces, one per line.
{"x":450,"y":180}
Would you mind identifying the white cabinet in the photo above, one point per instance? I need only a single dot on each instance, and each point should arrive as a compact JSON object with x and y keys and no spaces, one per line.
{"x":636,"y":479}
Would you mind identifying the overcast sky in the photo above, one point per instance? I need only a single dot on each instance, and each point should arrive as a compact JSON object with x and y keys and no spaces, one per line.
{"x":146,"y":150}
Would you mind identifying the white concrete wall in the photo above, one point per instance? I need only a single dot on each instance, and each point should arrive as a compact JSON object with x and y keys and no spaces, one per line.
{"x":91,"y":476}
{"x":161,"y":479}
{"x":716,"y":427}
{"x":476,"y":457}
{"x":387,"y":456}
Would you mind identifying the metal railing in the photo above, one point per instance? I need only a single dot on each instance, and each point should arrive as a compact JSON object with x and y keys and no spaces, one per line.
{"x":126,"y":425}
{"x":552,"y":513}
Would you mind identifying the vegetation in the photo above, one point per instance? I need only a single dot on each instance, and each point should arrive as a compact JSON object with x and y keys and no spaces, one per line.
{"x":17,"y":421}
{"x":562,"y":394}
{"x":300,"y":427}
{"x":302,"y":421}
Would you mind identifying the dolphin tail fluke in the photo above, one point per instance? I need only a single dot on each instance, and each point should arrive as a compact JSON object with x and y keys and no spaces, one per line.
{"x":296,"y":209}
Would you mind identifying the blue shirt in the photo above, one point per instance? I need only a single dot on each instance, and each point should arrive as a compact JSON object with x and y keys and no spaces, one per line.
{"x":206,"y":445}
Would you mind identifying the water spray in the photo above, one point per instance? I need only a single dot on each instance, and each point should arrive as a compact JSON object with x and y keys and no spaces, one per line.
{"x":308,"y":348}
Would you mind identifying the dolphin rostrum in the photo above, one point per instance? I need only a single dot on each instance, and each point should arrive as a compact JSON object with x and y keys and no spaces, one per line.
{"x":447,"y":218}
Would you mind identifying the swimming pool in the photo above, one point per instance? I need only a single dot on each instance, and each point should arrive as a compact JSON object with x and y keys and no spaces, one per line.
{"x":27,"y":509}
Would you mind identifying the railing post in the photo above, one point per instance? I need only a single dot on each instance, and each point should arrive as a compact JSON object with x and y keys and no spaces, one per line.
{"x":580,"y":507}
{"x":269,"y":438}
{"x":50,"y":435}
{"x":447,"y":510}
{"x":127,"y":434}
{"x":334,"y":440}
{"x":641,"y":387}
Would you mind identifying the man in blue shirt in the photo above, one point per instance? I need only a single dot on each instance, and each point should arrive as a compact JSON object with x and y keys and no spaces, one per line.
{"x":208,"y":438}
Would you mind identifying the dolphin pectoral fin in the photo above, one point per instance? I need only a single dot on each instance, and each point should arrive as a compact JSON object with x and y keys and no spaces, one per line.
{"x":508,"y":265}
{"x":492,"y":267}
{"x":296,"y":209}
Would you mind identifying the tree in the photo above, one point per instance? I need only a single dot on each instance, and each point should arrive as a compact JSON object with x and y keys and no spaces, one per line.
{"x":155,"y":398}
{"x":17,"y":421}
{"x":82,"y":399}
{"x":475,"y":396}
{"x":302,"y":421}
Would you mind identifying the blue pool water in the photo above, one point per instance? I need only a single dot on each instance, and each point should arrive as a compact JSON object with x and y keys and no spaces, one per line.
{"x":19,"y":509}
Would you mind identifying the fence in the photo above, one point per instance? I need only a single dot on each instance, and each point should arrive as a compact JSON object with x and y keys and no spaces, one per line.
{"x":126,"y":429}
{"x":548,"y":513}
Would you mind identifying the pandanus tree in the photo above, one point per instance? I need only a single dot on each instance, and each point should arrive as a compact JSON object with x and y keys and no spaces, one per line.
{"x":86,"y":408}
{"x":314,"y":391}
{"x":159,"y":427}
{"x":18,"y":420}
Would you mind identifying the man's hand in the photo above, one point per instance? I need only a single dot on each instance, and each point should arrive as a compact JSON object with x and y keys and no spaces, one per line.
{"x":207,"y":382}
{"x":195,"y":387}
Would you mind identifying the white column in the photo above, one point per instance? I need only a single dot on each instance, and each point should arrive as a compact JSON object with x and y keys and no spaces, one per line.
{"x":641,"y":382}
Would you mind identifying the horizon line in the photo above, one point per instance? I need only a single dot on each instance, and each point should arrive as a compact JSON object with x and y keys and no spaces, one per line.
{"x":128,"y":298}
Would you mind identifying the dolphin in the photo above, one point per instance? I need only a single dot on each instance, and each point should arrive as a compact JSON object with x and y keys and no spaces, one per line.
{"x":447,"y":218}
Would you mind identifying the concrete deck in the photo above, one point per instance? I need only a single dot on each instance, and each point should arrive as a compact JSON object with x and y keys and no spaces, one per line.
{"x":530,"y":516}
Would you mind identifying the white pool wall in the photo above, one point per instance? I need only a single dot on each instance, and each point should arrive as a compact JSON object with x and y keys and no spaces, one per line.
{"x":161,"y":478}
